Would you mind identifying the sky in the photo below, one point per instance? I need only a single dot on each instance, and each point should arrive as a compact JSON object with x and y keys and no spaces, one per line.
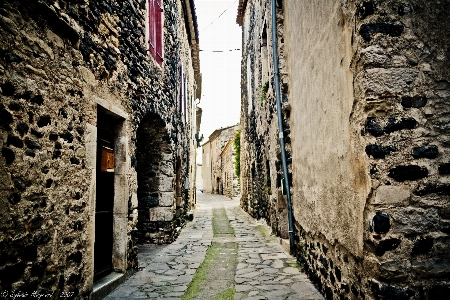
{"x":221,"y":71}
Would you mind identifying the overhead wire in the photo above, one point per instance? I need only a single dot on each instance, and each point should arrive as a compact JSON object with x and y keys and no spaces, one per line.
{"x":219,"y":16}
{"x":225,"y":50}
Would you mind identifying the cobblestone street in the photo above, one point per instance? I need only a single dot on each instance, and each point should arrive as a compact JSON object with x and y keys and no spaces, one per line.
{"x":250,"y":260}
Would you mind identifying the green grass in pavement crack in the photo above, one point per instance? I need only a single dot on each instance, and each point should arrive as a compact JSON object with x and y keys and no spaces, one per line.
{"x":220,"y":224}
{"x":293,"y":264}
{"x":262,"y":230}
{"x":200,"y":274}
{"x":227,"y":294}
{"x":265,"y":233}
{"x":221,"y":228}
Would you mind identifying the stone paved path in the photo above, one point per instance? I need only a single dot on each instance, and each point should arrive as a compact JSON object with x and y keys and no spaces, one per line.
{"x":263,"y":270}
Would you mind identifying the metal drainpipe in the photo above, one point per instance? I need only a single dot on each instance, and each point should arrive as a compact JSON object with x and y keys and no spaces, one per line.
{"x":280,"y":121}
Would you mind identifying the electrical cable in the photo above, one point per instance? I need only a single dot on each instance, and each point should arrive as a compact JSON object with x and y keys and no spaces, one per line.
{"x":219,"y":16}
{"x":226,"y":50}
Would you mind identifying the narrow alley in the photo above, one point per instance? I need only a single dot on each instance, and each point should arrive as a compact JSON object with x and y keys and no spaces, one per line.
{"x":213,"y":260}
{"x":225,"y":149}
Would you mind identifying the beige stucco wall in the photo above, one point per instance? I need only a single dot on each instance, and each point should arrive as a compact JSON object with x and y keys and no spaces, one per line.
{"x":330,"y":173}
{"x":199,"y":177}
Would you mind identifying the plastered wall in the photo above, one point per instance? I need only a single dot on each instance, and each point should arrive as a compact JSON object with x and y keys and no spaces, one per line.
{"x":331,"y":182}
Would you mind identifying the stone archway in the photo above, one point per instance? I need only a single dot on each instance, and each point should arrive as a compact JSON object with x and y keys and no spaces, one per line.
{"x":155,"y":173}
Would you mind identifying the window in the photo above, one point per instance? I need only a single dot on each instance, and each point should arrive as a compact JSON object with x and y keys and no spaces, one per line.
{"x":155,"y":12}
{"x":182,"y":93}
{"x":264,"y":56}
{"x":249,"y":85}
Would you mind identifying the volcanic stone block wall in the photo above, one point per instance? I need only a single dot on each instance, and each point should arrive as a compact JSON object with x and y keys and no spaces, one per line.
{"x":155,"y":182}
{"x":45,"y":178}
{"x":59,"y":61}
{"x":403,"y":83}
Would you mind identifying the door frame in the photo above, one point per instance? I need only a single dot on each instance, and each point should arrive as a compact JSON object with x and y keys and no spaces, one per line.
{"x":121,"y":187}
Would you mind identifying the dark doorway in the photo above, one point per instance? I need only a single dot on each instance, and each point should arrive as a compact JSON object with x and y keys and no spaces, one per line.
{"x":103,"y":244}
{"x":219,"y":186}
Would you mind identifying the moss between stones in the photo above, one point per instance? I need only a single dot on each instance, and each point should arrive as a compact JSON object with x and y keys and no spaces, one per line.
{"x":227,"y":294}
{"x":262,"y":230}
{"x":220,"y":224}
{"x":214,"y":279}
{"x":263,"y":92}
{"x":200,"y":274}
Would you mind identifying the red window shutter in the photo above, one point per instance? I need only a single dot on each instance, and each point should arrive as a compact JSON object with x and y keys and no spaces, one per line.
{"x":158,"y":31}
{"x":151,"y":27}
{"x":155,"y":30}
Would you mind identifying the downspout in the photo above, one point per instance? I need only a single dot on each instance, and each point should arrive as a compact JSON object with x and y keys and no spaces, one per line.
{"x":280,"y":121}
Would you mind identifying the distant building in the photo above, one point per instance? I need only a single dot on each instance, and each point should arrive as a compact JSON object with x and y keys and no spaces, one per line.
{"x":230,"y":181}
{"x":213,"y":181}
{"x":206,"y":167}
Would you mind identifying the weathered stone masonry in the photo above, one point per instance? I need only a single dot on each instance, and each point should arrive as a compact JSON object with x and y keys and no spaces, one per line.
{"x":403,"y":81}
{"x":368,"y":86}
{"x":261,"y":169}
{"x":76,"y":79}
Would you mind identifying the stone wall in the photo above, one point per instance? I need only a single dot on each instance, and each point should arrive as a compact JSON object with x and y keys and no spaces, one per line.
{"x":401,"y":87}
{"x":62,"y":65}
{"x":365,"y":85}
{"x":230,"y":180}
{"x":261,"y":169}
